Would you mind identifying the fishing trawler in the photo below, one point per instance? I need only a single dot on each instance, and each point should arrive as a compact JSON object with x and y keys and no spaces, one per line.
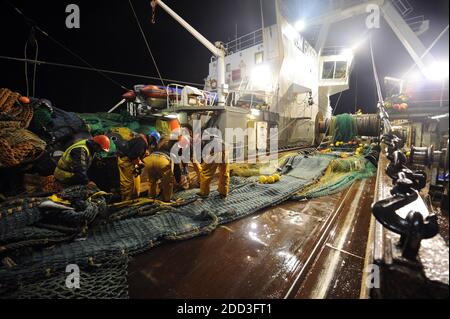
{"x":348,"y":203}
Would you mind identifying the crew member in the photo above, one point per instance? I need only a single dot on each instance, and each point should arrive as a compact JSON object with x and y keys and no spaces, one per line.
{"x":73,"y":166}
{"x":129,"y":161}
{"x":215,"y":159}
{"x":164,"y":166}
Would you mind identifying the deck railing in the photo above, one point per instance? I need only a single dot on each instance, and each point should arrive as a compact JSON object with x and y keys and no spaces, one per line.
{"x":244,"y":42}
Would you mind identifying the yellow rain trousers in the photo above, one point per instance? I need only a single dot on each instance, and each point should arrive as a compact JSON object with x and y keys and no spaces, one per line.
{"x":130,"y":186}
{"x":160,"y":168}
{"x":197,"y":169}
{"x":208,"y":170}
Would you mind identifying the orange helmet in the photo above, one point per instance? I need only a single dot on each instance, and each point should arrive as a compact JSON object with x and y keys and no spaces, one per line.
{"x":103,"y":141}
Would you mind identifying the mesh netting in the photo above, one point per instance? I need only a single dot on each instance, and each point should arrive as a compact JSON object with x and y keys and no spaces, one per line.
{"x":134,"y":229}
{"x":343,"y":128}
{"x":19,"y":213}
{"x":106,"y":279}
{"x":42,"y":242}
{"x":247,"y":170}
{"x":17,"y":144}
{"x":101,"y":123}
{"x":340,"y":174}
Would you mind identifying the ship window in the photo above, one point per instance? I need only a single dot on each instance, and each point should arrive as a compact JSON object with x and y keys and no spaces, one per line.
{"x":341,"y":70}
{"x":228,"y":67}
{"x":328,"y":70}
{"x":259,"y":58}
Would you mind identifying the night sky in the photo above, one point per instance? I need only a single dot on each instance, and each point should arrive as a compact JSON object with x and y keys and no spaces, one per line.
{"x":109,"y":39}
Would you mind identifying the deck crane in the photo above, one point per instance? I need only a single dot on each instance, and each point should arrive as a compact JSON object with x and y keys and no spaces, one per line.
{"x":217,"y":49}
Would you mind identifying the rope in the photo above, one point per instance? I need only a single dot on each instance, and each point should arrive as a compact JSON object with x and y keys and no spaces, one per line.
{"x":66,"y":48}
{"x":375,"y":73}
{"x":77,"y":67}
{"x":32,"y":38}
{"x":146,"y":41}
{"x":35,"y":68}
{"x":383,"y":114}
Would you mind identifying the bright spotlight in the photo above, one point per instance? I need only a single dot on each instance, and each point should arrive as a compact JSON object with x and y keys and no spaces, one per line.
{"x":290,"y":32}
{"x":437,"y":72}
{"x":415,"y":76}
{"x":347,"y":52}
{"x":300,"y":25}
{"x":261,"y":77}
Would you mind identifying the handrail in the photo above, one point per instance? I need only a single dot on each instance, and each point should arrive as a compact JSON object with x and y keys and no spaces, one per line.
{"x":244,"y":42}
{"x":176,"y":90}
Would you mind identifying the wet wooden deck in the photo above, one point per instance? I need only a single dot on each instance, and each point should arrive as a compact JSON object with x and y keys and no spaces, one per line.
{"x":307,"y":249}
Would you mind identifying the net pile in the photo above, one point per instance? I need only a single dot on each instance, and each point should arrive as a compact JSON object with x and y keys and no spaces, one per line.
{"x":343,"y":128}
{"x":104,"y":279}
{"x":122,"y":124}
{"x":248,"y":170}
{"x":17,"y":144}
{"x":340,"y":175}
{"x":102,"y":123}
{"x":94,"y":233}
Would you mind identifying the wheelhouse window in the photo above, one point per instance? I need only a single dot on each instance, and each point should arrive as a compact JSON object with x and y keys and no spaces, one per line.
{"x":341,"y":70}
{"x":328,"y":70}
{"x":334,"y":70}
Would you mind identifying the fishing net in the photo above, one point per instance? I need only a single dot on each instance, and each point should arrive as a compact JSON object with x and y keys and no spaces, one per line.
{"x":102,"y":123}
{"x":41,"y":119}
{"x":18,"y":146}
{"x":134,"y":229}
{"x":343,"y":128}
{"x":104,"y":279}
{"x":7,"y":100}
{"x":340,"y":174}
{"x":124,"y":132}
{"x":270,"y":167}
{"x":18,"y":213}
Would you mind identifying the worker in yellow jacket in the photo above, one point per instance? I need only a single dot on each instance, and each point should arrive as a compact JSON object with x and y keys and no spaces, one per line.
{"x":215,"y":159}
{"x":73,"y":166}
{"x":160,"y":167}
{"x":130,"y":163}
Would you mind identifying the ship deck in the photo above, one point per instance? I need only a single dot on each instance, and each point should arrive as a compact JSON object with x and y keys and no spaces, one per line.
{"x":308,"y":249}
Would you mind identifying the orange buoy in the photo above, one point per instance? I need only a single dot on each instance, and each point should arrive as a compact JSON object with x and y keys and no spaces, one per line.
{"x":24,"y":100}
{"x":129,"y":96}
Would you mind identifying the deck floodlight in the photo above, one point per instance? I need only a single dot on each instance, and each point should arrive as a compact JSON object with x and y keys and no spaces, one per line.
{"x":438,"y":71}
{"x":348,"y":52}
{"x":300,"y":25}
{"x":261,"y":77}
